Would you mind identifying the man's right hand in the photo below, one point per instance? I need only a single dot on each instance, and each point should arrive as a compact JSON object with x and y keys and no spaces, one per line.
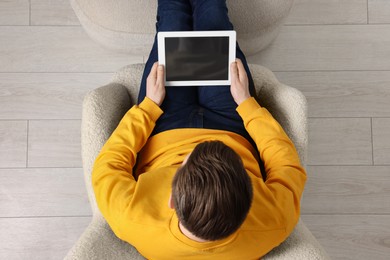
{"x":155,"y":86}
{"x":240,"y":85}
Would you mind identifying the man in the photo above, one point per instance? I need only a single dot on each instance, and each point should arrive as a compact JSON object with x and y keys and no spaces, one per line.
{"x":180,"y":176}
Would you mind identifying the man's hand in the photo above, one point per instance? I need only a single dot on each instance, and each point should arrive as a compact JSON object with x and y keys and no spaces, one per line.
{"x":155,"y":87}
{"x":240,"y":86}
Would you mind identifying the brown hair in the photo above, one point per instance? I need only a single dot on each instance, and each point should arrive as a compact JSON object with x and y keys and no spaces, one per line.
{"x":212,"y":192}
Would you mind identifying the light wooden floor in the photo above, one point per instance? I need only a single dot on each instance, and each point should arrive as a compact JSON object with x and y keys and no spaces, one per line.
{"x":336,"y":52}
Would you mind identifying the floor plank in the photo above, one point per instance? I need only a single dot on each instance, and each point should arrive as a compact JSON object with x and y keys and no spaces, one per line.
{"x":381,"y":140}
{"x":56,"y":49}
{"x":378,"y":11}
{"x":13,"y":144}
{"x":39,"y":238}
{"x":326,"y":51}
{"x":352,"y":236}
{"x":343,"y":93}
{"x":54,"y":143}
{"x":43,"y":192}
{"x":46,"y":95}
{"x":52,"y":12}
{"x":328,"y":47}
{"x":15,"y":12}
{"x":328,"y":12}
{"x":347,"y":190}
{"x":340,"y":141}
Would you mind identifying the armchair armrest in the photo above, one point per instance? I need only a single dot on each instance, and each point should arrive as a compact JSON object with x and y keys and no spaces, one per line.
{"x":301,"y":244}
{"x":103,"y":108}
{"x":287,"y":104}
{"x":99,"y":242}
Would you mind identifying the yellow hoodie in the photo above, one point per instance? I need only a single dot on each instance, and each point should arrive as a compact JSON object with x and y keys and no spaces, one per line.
{"x":136,"y":206}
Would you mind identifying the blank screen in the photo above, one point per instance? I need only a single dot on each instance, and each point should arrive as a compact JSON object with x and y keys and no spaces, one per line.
{"x":196,"y":58}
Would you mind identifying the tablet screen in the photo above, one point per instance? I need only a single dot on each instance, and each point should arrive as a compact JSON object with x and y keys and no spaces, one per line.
{"x":197,"y":58}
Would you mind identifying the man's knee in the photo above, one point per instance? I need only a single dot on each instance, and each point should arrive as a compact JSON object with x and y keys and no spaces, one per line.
{"x":174,"y":15}
{"x":172,"y":21}
{"x":212,"y":17}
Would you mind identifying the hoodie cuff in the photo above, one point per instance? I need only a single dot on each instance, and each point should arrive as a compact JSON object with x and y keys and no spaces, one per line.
{"x":151,"y":108}
{"x":247,"y":107}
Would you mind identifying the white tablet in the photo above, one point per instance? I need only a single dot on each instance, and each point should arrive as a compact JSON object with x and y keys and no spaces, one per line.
{"x":197,"y":58}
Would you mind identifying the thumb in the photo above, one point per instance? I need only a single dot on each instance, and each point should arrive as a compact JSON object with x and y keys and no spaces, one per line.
{"x":160,"y":74}
{"x":241,"y":70}
{"x":233,"y":70}
{"x":153,"y":74}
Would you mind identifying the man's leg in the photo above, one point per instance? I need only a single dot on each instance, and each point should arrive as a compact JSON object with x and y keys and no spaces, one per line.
{"x":219,"y":105}
{"x":220,"y":108}
{"x":172,"y":15}
{"x":212,"y":15}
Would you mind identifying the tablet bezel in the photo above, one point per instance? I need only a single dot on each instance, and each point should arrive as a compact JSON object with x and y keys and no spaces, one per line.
{"x":161,"y":55}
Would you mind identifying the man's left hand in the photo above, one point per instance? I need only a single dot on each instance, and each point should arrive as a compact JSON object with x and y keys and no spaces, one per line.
{"x":240,"y":85}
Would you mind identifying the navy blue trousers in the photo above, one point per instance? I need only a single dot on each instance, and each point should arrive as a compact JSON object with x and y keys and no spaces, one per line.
{"x":210,"y":107}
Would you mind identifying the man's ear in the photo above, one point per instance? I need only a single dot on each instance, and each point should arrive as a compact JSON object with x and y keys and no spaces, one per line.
{"x":170,"y":202}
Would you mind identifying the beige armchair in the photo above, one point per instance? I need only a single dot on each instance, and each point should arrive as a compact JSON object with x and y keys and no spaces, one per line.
{"x":104,"y":107}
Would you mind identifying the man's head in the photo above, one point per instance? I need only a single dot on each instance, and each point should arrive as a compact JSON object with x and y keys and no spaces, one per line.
{"x":212,"y":192}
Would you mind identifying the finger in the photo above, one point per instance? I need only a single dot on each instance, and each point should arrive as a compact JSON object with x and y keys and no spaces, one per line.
{"x":241,"y":70}
{"x":160,"y":74}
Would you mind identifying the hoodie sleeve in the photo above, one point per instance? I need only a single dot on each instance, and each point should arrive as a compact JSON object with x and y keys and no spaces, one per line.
{"x":112,"y":178}
{"x":285,"y":175}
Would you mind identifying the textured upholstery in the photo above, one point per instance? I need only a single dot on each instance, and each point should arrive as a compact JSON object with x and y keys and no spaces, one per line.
{"x":129,"y":25}
{"x":104,"y":107}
